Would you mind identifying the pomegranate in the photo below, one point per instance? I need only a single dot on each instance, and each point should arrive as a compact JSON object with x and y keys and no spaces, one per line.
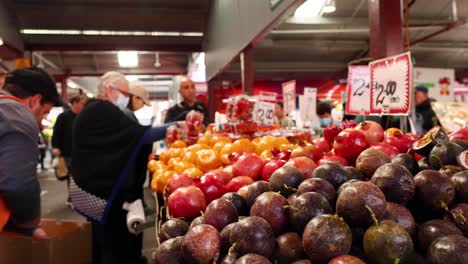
{"x":401,"y":141}
{"x":304,"y":164}
{"x":211,"y":187}
{"x":330,"y":157}
{"x":372,"y":130}
{"x":271,"y":167}
{"x":238,"y":182}
{"x":349,"y":144}
{"x":248,"y":165}
{"x":388,"y":149}
{"x":330,"y":132}
{"x":323,"y":144}
{"x":177,"y":181}
{"x":186,"y":202}
{"x":459,"y":134}
{"x":348,"y":124}
{"x":307,"y":150}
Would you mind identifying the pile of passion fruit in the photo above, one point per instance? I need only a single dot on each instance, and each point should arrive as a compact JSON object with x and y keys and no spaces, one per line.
{"x":381,"y":211}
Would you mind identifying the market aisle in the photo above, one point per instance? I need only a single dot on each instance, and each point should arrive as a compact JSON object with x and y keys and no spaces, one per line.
{"x":54,"y":195}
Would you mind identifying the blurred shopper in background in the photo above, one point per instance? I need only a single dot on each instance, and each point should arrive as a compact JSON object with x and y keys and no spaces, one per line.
{"x":179,"y":111}
{"x":282,"y":118}
{"x":324,"y":113}
{"x":139,"y":97}
{"x":27,"y":95}
{"x":63,"y":128}
{"x":108,"y":151}
{"x":425,"y":115}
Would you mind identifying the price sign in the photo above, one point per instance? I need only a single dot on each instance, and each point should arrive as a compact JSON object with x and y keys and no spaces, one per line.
{"x":264,"y":112}
{"x":289,"y":96}
{"x":307,"y":104}
{"x":390,"y":83}
{"x":358,"y":102}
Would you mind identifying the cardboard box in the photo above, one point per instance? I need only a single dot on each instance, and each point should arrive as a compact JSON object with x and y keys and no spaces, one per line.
{"x":70,"y":243}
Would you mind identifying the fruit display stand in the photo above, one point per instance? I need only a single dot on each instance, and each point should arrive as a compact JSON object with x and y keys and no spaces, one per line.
{"x":452,"y":116}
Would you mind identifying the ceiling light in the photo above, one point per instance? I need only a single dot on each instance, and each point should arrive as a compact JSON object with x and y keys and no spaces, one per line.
{"x":72,"y":84}
{"x":330,"y":7}
{"x":92,"y":32}
{"x":128,"y":59}
{"x":1,"y":41}
{"x":310,"y":8}
{"x":132,"y":78}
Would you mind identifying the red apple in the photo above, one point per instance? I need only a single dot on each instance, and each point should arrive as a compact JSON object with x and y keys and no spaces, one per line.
{"x":401,"y":141}
{"x":238,"y":182}
{"x":390,"y":150}
{"x":187,"y":202}
{"x":372,"y":130}
{"x":178,"y":180}
{"x":270,"y":167}
{"x":248,"y":165}
{"x":349,"y":144}
{"x":304,"y":164}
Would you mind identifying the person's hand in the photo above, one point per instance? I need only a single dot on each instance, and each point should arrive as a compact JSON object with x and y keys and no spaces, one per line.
{"x":56,"y":152}
{"x":40,"y":234}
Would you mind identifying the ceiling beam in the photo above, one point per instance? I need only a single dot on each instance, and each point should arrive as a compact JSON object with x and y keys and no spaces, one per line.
{"x":13,"y":46}
{"x":114,"y":47}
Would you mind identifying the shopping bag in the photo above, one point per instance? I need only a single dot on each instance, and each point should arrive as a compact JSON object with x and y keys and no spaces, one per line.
{"x":4,"y":214}
{"x":61,"y":169}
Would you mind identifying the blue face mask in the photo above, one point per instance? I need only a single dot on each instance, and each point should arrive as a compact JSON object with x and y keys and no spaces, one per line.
{"x":325,"y":121}
{"x":122,"y":101}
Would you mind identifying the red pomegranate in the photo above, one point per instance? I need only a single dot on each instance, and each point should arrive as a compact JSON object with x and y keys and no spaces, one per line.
{"x":390,"y":150}
{"x":330,"y":157}
{"x":348,"y":124}
{"x":459,"y":134}
{"x":330,"y":132}
{"x":372,"y":130}
{"x":307,"y":150}
{"x":349,"y":143}
{"x":323,"y":144}
{"x":401,"y":141}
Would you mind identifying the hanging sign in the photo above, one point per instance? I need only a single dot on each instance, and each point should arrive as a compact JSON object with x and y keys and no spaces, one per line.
{"x":358,"y":93}
{"x":289,"y":96}
{"x":307,"y":104}
{"x":390,"y":82}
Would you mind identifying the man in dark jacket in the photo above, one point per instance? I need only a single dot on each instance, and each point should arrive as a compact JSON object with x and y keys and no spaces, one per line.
{"x":62,"y":137}
{"x":179,"y":111}
{"x":105,"y":141}
{"x":27,"y":95}
{"x":425,"y":116}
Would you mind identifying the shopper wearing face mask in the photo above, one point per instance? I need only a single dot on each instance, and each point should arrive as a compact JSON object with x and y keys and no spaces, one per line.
{"x":108,"y":151}
{"x":282,"y":118}
{"x":324,"y":114}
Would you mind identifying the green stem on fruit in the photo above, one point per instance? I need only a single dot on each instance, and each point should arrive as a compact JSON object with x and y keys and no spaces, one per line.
{"x":232,"y":248}
{"x":397,"y":261}
{"x":290,"y":188}
{"x":444,"y":206}
{"x":286,"y":207}
{"x":374,"y":218}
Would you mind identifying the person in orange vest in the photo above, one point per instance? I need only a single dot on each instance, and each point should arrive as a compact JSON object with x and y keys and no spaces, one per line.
{"x":26,"y":96}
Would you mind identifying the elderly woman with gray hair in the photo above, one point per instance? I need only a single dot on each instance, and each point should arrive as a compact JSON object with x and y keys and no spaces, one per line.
{"x":108,"y":151}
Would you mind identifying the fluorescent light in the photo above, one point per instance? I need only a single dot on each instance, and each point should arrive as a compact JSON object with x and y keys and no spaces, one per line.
{"x":90,"y":95}
{"x":92,"y":32}
{"x":132,"y":78}
{"x":72,"y":84}
{"x":128,"y":59}
{"x":1,"y":41}
{"x":330,"y":7}
{"x":310,"y":8}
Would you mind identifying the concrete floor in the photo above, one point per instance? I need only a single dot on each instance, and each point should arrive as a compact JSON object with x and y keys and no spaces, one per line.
{"x":54,"y":194}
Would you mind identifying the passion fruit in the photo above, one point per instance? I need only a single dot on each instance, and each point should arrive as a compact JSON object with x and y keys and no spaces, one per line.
{"x":252,"y":259}
{"x":219,"y":213}
{"x":169,"y":252}
{"x":370,"y":160}
{"x":272,"y":207}
{"x":172,"y":228}
{"x":238,"y":201}
{"x":444,"y":154}
{"x":434,"y":190}
{"x":307,"y":206}
{"x":387,"y":242}
{"x":346,"y":259}
{"x":253,"y":234}
{"x":449,"y":249}
{"x":201,"y":244}
{"x":355,"y":200}
{"x":286,"y":180}
{"x":424,"y":145}
{"x":424,"y":164}
{"x":254,"y":190}
{"x":434,"y":229}
{"x":354,"y":173}
{"x":407,"y":161}
{"x":460,"y":181}
{"x":289,"y":248}
{"x":401,"y":216}
{"x":333,"y":172}
{"x":450,"y":170}
{"x":326,"y":237}
{"x":395,"y":181}
{"x":461,"y":142}
{"x":320,"y":186}
{"x":462,"y":159}
{"x":459,"y":216}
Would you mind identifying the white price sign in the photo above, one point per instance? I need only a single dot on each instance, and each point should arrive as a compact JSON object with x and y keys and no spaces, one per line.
{"x":358,"y":90}
{"x":264,"y":112}
{"x":390,"y":83}
{"x":307,"y":104}
{"x":289,"y":96}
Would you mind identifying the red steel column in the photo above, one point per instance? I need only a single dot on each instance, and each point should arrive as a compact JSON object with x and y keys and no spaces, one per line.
{"x":248,"y":70}
{"x":386,"y":30}
{"x":64,"y":89}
